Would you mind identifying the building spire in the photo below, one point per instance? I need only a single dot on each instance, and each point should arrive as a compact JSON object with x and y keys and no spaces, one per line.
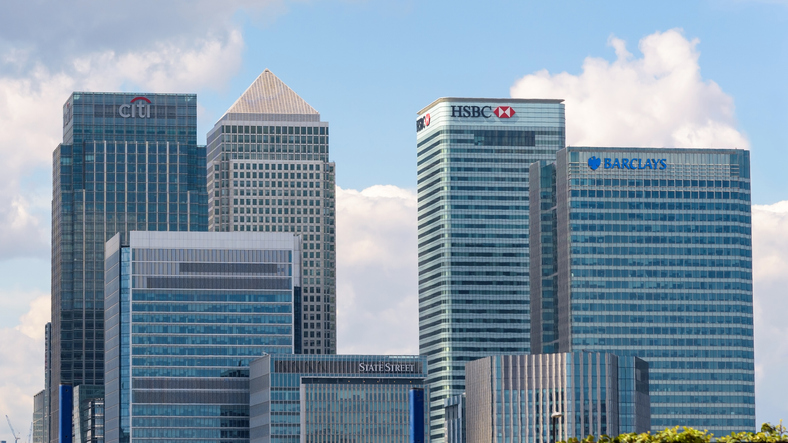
{"x":270,"y":95}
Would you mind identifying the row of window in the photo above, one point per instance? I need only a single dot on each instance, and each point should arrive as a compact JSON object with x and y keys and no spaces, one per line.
{"x":303,"y":152}
{"x":659,"y":273}
{"x":655,"y":206}
{"x":665,"y":262}
{"x":655,"y":331}
{"x":688,"y":228}
{"x":259,"y":138}
{"x":694,"y":195}
{"x":660,"y":307}
{"x":271,"y":184}
{"x":162,"y":159}
{"x":251,"y":129}
{"x":648,"y":250}
{"x":663,"y":183}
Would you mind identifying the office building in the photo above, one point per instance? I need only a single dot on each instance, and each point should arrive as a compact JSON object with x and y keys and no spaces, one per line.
{"x":269,"y":171}
{"x":473,"y":157}
{"x":45,"y":431}
{"x":38,"y":417}
{"x":647,"y":252}
{"x":531,"y":398}
{"x":88,"y":414}
{"x":127,"y":161}
{"x":333,"y":398}
{"x":186,"y":312}
{"x":454,"y":419}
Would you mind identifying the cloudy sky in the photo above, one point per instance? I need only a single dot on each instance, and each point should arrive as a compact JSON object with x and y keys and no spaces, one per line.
{"x":705,"y":73}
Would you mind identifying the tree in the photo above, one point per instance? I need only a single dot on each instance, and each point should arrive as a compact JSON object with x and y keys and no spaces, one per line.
{"x":769,"y":434}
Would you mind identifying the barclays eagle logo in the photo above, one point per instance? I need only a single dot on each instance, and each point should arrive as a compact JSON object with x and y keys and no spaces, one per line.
{"x":594,"y":162}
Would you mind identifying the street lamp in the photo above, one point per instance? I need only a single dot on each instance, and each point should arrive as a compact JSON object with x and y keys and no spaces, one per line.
{"x":555,"y":416}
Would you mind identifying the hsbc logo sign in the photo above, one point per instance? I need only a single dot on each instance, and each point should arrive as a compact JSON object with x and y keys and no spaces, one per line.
{"x":139,"y":108}
{"x":482,"y":111}
{"x":503,"y":111}
{"x":422,"y":122}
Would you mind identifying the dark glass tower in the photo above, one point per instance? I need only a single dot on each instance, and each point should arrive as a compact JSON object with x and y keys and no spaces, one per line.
{"x":647,"y":252}
{"x":127,"y":162}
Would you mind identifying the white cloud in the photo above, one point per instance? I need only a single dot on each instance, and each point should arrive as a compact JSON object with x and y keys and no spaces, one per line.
{"x":659,"y":99}
{"x":31,"y":117}
{"x":770,"y":262}
{"x":22,"y":367}
{"x":377,"y":289}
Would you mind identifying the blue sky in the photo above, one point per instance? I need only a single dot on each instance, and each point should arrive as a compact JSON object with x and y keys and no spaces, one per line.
{"x":369,"y":66}
{"x":711,"y":73}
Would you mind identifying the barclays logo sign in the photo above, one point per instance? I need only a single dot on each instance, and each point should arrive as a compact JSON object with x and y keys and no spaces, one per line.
{"x":627,"y":163}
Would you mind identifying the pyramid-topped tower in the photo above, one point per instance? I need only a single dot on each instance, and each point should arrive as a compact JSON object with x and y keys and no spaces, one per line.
{"x":270,"y":95}
{"x":269,"y":171}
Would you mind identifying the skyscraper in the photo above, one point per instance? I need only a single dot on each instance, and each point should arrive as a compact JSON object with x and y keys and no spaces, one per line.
{"x":127,"y":161}
{"x":269,"y":171}
{"x":647,"y":252}
{"x":472,"y":162}
{"x":186,"y":314}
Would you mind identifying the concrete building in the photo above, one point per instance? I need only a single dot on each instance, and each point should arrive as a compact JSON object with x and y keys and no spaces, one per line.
{"x":186,"y":313}
{"x":269,"y":171}
{"x":472,"y":163}
{"x":530,"y":398}
{"x":333,"y":398}
{"x":648,"y":252}
{"x":127,"y":162}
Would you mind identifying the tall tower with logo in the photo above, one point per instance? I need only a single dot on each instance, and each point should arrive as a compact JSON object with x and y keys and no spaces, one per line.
{"x":647,"y":252}
{"x":472,"y":164}
{"x":127,"y":162}
{"x":269,"y":171}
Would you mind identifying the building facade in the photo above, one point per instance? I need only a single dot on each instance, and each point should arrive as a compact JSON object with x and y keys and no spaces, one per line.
{"x":127,"y":161}
{"x":454,"y":419}
{"x":531,"y":398}
{"x":472,"y":162}
{"x":269,"y":171}
{"x":185,"y":314}
{"x":647,"y":252}
{"x":333,"y":398}
{"x":38,"y":417}
{"x":88,"y":414}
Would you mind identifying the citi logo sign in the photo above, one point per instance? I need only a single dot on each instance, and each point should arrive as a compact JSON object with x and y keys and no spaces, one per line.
{"x":139,"y":107}
{"x":482,"y":111}
{"x":422,"y":122}
{"x":628,"y":163}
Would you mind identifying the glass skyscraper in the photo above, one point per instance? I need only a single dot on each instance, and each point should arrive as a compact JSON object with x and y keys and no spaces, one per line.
{"x":269,"y":171}
{"x":472,"y":162}
{"x":186,"y":314}
{"x":127,"y":161}
{"x":647,"y":252}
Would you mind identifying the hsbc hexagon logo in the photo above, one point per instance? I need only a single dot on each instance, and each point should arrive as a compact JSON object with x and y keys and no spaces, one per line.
{"x":503,"y":111}
{"x":422,"y":122}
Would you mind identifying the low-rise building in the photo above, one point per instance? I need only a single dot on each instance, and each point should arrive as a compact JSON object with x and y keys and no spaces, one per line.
{"x":323,"y":398}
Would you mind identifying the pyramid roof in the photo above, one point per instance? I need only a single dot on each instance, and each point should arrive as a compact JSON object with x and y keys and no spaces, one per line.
{"x":270,"y":95}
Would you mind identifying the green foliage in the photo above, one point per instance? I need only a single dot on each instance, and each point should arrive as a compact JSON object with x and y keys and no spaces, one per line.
{"x":768,"y":434}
